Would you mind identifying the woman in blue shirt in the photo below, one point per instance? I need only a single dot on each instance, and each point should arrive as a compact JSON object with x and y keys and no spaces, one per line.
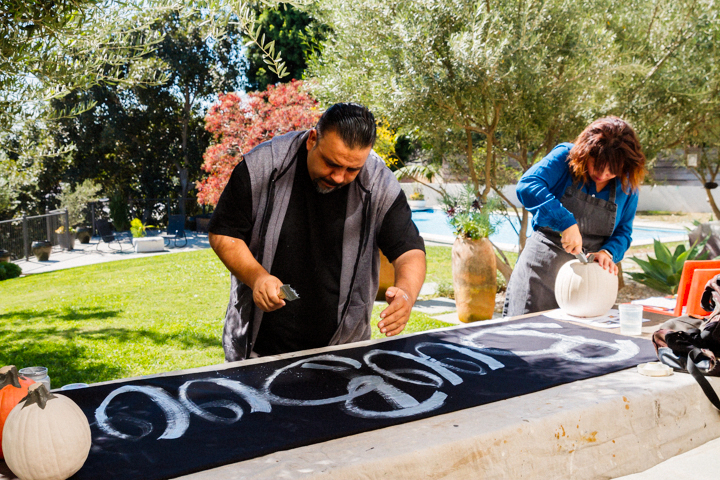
{"x":583,"y":198}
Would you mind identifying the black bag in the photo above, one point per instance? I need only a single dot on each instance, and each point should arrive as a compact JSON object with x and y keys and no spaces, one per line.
{"x":693,"y":345}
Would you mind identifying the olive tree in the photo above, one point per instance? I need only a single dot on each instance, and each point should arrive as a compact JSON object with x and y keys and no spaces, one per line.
{"x":502,"y":78}
{"x":670,"y":78}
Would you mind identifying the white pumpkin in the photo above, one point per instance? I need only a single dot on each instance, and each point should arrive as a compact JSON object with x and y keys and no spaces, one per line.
{"x":46,"y":436}
{"x":585,"y":290}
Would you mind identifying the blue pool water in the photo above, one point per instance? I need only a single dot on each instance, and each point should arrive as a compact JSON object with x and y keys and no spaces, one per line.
{"x":435,"y":222}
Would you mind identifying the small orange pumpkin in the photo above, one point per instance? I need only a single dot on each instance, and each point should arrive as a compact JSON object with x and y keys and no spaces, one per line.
{"x":13,"y":388}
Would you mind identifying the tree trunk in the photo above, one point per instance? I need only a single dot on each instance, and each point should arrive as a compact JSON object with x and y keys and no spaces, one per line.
{"x":503,"y":268}
{"x":488,"y":166}
{"x":183,"y":170}
{"x":471,"y":163}
{"x":183,"y":190}
{"x":714,"y":206}
{"x":523,"y":230}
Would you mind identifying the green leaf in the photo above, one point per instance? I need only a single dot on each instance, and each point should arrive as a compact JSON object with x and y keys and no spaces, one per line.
{"x":662,"y":253}
{"x":646,"y":267}
{"x":659,"y":270}
{"x":651,"y":282}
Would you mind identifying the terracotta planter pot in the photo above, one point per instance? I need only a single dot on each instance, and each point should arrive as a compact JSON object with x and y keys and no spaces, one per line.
{"x":474,"y":280}
{"x":387,"y":277}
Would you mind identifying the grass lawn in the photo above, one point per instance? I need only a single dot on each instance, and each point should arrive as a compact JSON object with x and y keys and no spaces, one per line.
{"x":439,"y":268}
{"x":133,"y":317}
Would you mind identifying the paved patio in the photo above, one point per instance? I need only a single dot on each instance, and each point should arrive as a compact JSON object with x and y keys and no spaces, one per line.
{"x":90,"y":253}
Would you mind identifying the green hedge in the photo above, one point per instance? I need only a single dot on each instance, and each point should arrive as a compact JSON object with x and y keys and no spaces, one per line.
{"x":9,"y":270}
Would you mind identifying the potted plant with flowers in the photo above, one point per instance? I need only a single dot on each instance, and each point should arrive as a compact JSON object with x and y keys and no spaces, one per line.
{"x":66,"y":241}
{"x":416,"y":200}
{"x":473,"y":256}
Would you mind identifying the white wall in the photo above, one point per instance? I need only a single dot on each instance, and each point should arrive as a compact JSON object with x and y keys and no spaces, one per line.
{"x":675,"y":198}
{"x":666,"y":198}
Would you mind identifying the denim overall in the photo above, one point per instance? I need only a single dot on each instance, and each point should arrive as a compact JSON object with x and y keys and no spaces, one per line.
{"x":532,"y":284}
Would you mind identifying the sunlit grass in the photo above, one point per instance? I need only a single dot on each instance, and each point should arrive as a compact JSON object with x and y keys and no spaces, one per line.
{"x":130,"y":317}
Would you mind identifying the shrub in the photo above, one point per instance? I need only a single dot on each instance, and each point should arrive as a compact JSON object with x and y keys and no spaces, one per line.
{"x":137,"y":228}
{"x":239,"y":123}
{"x":468,"y":216}
{"x":663,"y":272}
{"x":445,"y":289}
{"x":417,"y":194}
{"x":76,"y":200}
{"x":119,"y":212}
{"x":385,"y":144}
{"x":9,"y":270}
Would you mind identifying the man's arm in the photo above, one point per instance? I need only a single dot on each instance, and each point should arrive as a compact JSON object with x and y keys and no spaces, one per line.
{"x":409,"y":278}
{"x":236,"y":256}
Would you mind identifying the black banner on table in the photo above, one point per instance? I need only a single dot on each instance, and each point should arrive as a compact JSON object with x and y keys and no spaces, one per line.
{"x":169,"y":426}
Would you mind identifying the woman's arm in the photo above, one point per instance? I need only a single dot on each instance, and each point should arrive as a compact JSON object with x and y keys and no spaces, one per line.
{"x":620,"y":240}
{"x":540,"y":189}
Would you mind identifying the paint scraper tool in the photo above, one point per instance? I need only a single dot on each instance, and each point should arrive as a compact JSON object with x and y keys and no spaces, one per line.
{"x":585,"y":259}
{"x":288,"y":293}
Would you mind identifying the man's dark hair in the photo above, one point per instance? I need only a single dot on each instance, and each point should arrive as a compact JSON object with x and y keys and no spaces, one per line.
{"x":353,"y":123}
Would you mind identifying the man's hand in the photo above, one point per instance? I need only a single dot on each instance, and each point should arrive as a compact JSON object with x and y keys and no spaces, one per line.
{"x":265,"y":293}
{"x":396,"y":315}
{"x":606,"y":262}
{"x":572,"y":240}
{"x":236,"y":256}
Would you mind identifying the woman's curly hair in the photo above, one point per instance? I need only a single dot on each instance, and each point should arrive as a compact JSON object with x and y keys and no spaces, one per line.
{"x":609,"y":142}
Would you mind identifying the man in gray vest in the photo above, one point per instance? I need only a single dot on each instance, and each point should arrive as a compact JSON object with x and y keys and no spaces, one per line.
{"x":311,"y":209}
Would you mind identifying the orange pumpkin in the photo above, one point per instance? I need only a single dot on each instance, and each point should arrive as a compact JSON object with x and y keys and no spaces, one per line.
{"x":13,"y":388}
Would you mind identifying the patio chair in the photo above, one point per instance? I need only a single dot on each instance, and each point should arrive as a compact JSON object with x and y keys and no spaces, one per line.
{"x":688,"y":271}
{"x":106,"y":234}
{"x":700,"y":278}
{"x":175,"y":231}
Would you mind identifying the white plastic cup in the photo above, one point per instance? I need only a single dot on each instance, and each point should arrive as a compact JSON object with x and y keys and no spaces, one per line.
{"x":630,"y":319}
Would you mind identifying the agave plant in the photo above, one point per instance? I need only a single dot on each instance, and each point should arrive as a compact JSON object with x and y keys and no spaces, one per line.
{"x":663,"y":272}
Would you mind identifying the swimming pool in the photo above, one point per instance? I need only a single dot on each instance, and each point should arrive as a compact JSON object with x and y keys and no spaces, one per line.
{"x":433,"y":224}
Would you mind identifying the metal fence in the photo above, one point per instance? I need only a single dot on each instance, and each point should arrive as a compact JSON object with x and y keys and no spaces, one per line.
{"x":152,"y":211}
{"x":18,"y":234}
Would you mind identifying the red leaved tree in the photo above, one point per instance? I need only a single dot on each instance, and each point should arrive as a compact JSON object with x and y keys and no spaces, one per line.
{"x":241,"y":122}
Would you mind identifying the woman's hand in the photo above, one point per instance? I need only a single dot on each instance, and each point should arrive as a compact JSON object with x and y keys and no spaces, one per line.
{"x":606,"y":261}
{"x":572,"y":240}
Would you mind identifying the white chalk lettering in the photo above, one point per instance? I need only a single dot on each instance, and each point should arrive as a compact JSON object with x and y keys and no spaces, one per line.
{"x":250,"y":395}
{"x":564,"y":347}
{"x":435,"y":380}
{"x":487,"y":360}
{"x":479,"y":358}
{"x":407,"y":405}
{"x":176,"y":415}
{"x":308,"y":363}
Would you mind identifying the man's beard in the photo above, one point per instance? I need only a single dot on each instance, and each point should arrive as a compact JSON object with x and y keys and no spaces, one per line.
{"x":320,"y":188}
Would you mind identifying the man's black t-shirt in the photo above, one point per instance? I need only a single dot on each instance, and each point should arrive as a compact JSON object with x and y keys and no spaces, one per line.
{"x":308,"y":255}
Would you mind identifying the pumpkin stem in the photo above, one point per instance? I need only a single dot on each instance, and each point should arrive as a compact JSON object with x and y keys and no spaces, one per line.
{"x":9,"y":376}
{"x":37,"y":393}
